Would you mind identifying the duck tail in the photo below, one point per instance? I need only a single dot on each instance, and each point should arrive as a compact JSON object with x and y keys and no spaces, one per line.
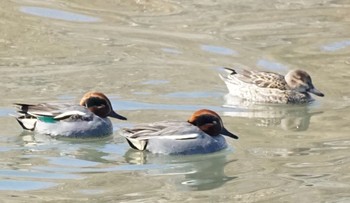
{"x":27,"y":123}
{"x":22,"y":108}
{"x":231,"y":70}
{"x":137,"y":144}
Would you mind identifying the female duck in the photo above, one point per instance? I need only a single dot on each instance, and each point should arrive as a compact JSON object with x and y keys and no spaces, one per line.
{"x":89,"y":119}
{"x":202,"y":133}
{"x":268,"y":87}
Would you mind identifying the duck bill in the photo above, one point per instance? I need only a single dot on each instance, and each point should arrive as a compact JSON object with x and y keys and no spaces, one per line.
{"x":113,"y":114}
{"x":316,"y":92}
{"x":229,"y":134}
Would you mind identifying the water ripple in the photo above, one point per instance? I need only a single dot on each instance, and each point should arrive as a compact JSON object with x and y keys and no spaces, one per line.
{"x":17,"y":185}
{"x":272,"y":66}
{"x":335,"y":46}
{"x":218,"y":50}
{"x":33,"y":174}
{"x":57,"y":14}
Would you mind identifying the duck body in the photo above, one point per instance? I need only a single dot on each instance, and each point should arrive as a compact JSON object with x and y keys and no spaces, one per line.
{"x":269,"y":87}
{"x":69,"y":120}
{"x":180,"y":137}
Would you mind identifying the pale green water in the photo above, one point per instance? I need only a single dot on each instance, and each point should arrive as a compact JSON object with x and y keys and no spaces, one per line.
{"x":160,"y":60}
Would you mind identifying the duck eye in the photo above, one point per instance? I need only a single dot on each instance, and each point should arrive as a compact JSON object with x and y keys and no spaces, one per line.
{"x":95,"y":101}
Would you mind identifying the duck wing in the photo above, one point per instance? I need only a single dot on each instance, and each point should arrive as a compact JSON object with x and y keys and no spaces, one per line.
{"x":262,"y":79}
{"x":42,"y":109}
{"x":177,"y":130}
{"x":28,"y":114}
{"x":139,"y":135}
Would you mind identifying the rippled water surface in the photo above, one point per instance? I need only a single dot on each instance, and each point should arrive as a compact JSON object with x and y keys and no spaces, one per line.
{"x":160,"y":60}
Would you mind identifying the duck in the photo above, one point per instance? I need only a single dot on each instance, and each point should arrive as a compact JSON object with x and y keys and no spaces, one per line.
{"x":269,"y":87}
{"x":89,"y":118}
{"x":202,"y":133}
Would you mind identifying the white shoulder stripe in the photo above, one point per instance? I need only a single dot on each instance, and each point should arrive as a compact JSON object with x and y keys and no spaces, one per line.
{"x":69,"y":113}
{"x":170,"y":137}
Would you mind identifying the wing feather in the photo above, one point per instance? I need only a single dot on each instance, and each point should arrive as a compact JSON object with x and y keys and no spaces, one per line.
{"x":262,"y":79}
{"x":56,"y":111}
{"x":163,"y":130}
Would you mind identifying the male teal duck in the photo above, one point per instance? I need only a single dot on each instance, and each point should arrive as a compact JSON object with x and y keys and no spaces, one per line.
{"x":88,"y":119}
{"x":201,"y":134}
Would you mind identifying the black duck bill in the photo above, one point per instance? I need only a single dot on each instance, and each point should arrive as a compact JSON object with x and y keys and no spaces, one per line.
{"x":224,"y":131}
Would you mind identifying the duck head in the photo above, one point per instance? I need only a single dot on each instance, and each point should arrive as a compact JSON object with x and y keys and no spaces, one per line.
{"x":301,"y":81}
{"x":210,"y":123}
{"x":100,"y":105}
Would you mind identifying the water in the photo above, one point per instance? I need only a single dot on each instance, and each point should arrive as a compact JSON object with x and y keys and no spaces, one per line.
{"x":160,"y":60}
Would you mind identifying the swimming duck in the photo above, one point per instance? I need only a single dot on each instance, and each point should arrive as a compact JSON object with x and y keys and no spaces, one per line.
{"x":202,"y":133}
{"x":269,"y":87}
{"x":88,"y":119}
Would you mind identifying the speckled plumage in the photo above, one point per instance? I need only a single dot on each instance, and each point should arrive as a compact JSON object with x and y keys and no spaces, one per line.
{"x":269,"y":87}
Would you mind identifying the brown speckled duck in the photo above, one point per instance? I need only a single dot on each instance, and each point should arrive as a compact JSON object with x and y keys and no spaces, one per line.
{"x":269,"y":87}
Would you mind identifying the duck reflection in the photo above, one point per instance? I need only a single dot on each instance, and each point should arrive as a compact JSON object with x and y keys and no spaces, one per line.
{"x":78,"y":149}
{"x":31,"y":139}
{"x":192,"y":172}
{"x":195,"y":172}
{"x":288,"y":117}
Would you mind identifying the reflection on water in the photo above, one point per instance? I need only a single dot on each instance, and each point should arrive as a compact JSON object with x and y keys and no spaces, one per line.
{"x":288,"y":117}
{"x":194,"y":172}
{"x":16,"y":185}
{"x":155,"y":82}
{"x":157,"y":60}
{"x":171,"y":50}
{"x":77,"y":158}
{"x":36,"y":174}
{"x":272,"y":66}
{"x":336,"y":46}
{"x":136,"y":105}
{"x":5,"y":112}
{"x":218,"y":50}
{"x":192,"y":95}
{"x":57,"y":14}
